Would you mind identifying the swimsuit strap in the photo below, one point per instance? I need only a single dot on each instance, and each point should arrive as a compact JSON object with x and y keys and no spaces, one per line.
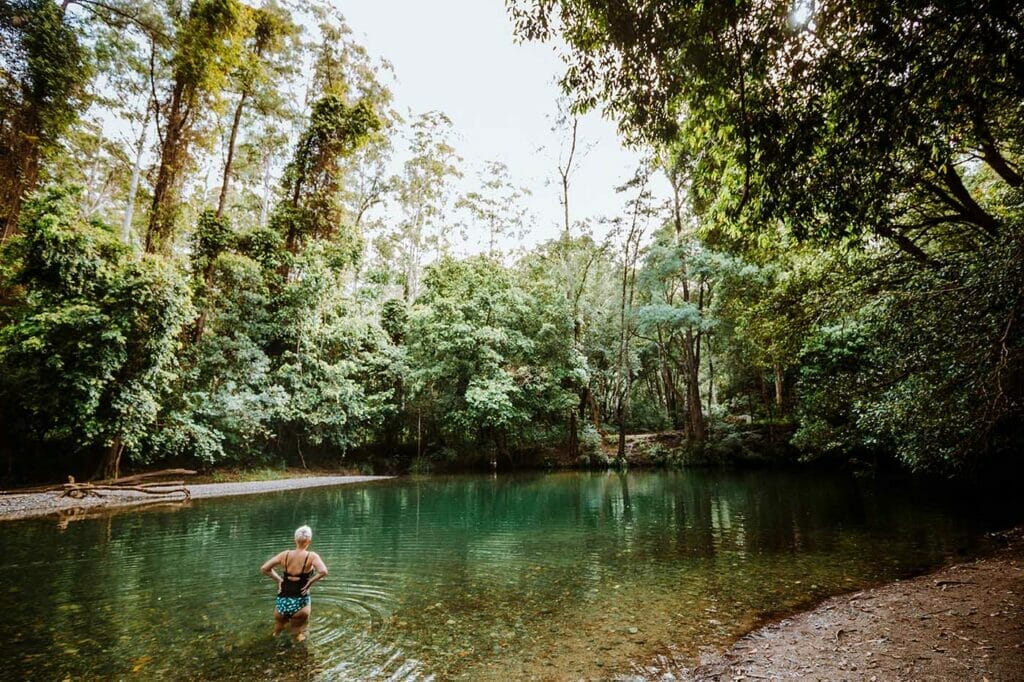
{"x":301,"y":572}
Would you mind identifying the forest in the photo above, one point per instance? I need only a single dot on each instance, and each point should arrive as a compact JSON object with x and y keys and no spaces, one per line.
{"x":840,"y":262}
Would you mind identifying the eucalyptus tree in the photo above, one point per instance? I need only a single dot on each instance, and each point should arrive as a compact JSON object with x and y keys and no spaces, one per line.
{"x":570,"y":155}
{"x":496,"y":206}
{"x":270,"y":40}
{"x":632,"y":228}
{"x":423,"y":193}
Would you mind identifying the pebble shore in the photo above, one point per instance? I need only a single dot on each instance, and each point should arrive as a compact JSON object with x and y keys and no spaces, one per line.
{"x":20,"y":506}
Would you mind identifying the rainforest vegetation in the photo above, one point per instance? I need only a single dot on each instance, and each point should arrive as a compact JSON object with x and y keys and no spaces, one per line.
{"x":841,"y":259}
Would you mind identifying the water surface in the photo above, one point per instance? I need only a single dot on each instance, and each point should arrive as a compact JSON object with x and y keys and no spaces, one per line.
{"x":471,"y":577}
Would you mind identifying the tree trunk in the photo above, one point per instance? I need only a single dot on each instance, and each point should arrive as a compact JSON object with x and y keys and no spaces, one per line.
{"x":595,"y":409}
{"x":711,"y":381}
{"x":26,"y":175}
{"x":160,"y":233}
{"x":265,"y":196}
{"x":695,"y":417}
{"x":621,"y":452}
{"x":779,"y":379}
{"x":574,"y":439}
{"x":222,"y":202}
{"x":110,"y":466}
{"x":133,"y":186}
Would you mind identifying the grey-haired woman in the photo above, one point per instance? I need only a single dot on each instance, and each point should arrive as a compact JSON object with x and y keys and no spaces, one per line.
{"x":302,"y":568}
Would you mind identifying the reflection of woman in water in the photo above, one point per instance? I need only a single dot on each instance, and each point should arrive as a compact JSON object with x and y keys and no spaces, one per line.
{"x":293,"y":602}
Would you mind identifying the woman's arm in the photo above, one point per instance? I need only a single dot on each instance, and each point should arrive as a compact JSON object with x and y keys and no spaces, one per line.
{"x":268,"y":568}
{"x":321,"y":571}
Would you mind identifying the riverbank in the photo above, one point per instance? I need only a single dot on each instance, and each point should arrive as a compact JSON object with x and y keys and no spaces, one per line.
{"x":965,"y":621}
{"x":27,"y":505}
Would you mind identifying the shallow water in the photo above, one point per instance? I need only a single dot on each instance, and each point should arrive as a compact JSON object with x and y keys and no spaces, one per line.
{"x":473,"y":577}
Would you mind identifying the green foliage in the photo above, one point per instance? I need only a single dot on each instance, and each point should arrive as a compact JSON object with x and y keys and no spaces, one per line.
{"x":87,"y":353}
{"x":926,"y":370}
{"x":213,"y":236}
{"x":44,"y":70}
{"x":488,"y":361}
{"x":825,"y":125}
{"x":207,"y":46}
{"x":312,"y":209}
{"x":863,"y":159}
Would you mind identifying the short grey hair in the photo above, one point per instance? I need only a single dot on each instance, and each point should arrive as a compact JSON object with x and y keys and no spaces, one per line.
{"x":303,"y":533}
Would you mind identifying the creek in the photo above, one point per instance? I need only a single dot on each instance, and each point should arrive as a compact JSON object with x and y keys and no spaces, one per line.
{"x":462,"y":577}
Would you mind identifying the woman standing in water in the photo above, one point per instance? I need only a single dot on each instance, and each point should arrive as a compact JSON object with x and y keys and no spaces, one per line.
{"x":301,"y":569}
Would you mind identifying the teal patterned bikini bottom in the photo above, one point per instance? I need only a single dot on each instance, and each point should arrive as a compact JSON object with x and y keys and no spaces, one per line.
{"x":289,"y":606}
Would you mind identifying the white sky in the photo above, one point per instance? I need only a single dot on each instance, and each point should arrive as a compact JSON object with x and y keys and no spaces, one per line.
{"x":459,"y":57}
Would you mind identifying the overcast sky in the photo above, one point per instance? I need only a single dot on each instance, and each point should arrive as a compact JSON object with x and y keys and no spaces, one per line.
{"x":459,"y":57}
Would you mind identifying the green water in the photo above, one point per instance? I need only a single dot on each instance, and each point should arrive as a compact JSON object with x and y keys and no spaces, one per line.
{"x":546,"y":576}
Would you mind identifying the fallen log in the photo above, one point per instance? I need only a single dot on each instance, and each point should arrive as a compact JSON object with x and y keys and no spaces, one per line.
{"x":125,"y":481}
{"x":131,"y":480}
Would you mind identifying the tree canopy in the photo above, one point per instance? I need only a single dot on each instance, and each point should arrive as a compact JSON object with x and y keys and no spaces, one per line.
{"x":212,"y":255}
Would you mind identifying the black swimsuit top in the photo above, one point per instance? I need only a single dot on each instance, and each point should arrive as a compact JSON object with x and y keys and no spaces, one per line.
{"x":293,"y":588}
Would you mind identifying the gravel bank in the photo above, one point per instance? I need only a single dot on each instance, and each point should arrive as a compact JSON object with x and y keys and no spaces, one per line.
{"x":963,"y":622}
{"x":43,"y":504}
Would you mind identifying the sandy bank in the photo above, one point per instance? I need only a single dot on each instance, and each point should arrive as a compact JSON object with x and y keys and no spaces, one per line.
{"x":44,"y":504}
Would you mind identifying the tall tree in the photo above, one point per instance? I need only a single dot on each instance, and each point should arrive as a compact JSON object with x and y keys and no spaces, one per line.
{"x":424,"y":193}
{"x":44,"y":69}
{"x":496,"y":207}
{"x":206,"y":50}
{"x":640,"y":212}
{"x":269,"y":33}
{"x":310,"y":209}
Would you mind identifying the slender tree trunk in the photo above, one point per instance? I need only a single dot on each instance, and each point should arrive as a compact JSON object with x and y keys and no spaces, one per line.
{"x":265,"y":195}
{"x":623,"y":360}
{"x":621,"y":414}
{"x":695,"y":416}
{"x":222,"y":202}
{"x":779,"y":379}
{"x":565,"y":172}
{"x":595,"y":409}
{"x":574,"y":439}
{"x":133,"y":186}
{"x":691,"y":367}
{"x":92,"y":193}
{"x":711,"y":381}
